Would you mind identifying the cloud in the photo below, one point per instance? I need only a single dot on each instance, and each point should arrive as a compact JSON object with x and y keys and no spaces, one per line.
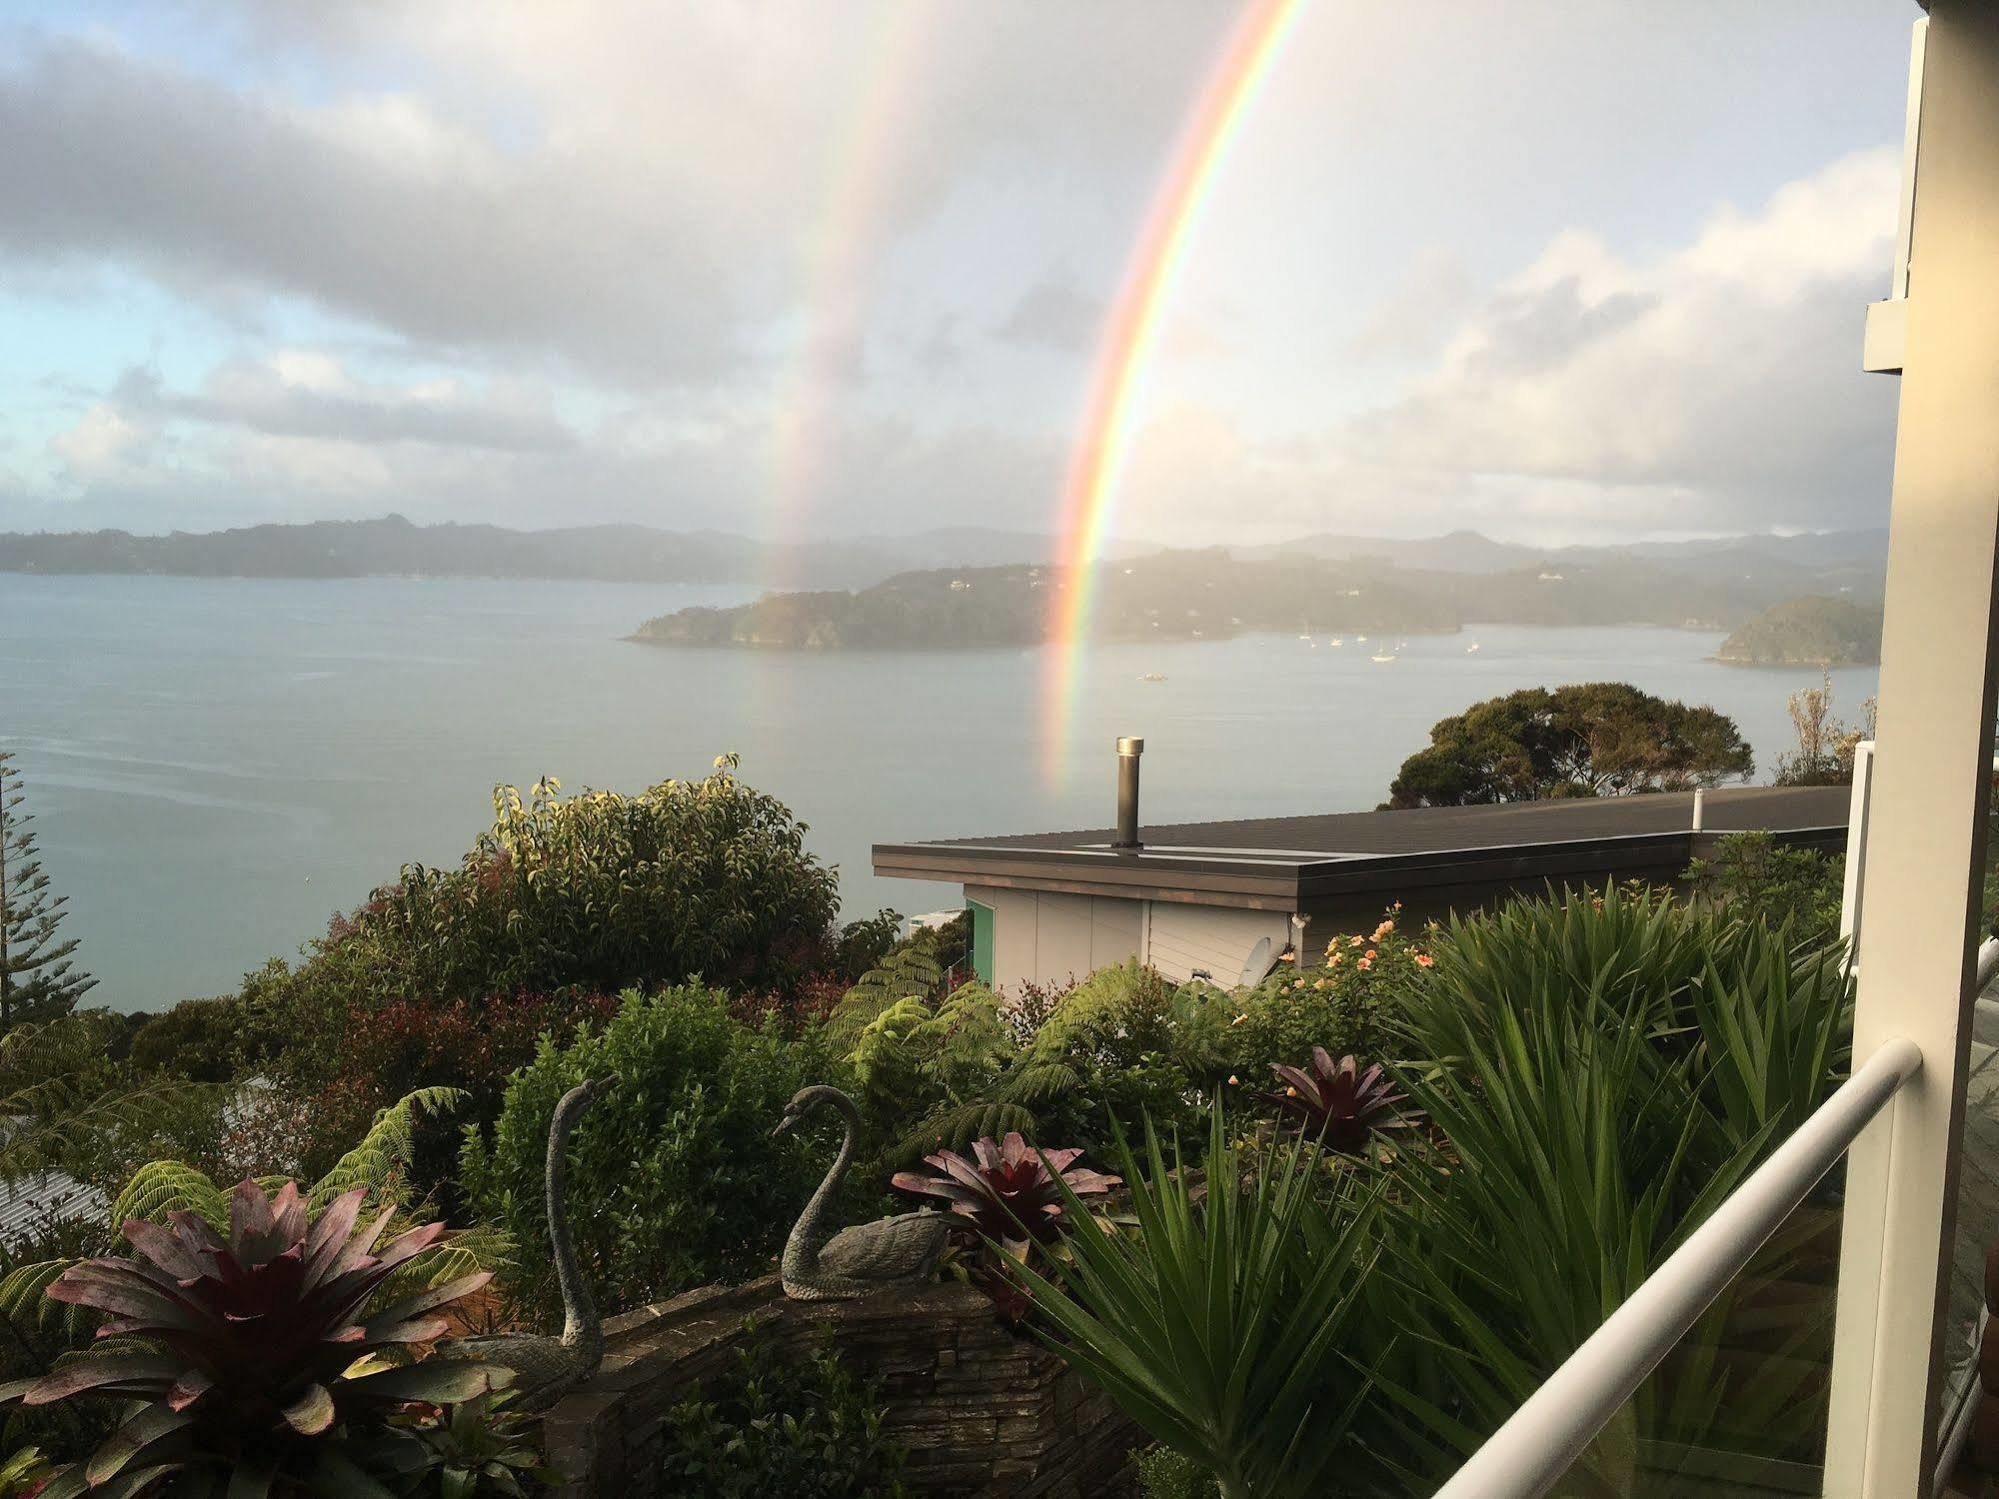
{"x":301,"y":393}
{"x":1721,"y":378}
{"x":1055,"y":314}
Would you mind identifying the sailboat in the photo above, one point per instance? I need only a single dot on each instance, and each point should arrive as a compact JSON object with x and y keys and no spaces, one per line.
{"x":1382,"y":656}
{"x":1472,"y":649}
{"x":1337,"y":641}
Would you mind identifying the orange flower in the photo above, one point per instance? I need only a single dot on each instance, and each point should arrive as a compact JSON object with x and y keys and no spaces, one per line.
{"x":1366,"y":962}
{"x":1369,"y":955}
{"x":1425,"y":960}
{"x":1384,"y":929}
{"x":1356,"y":942}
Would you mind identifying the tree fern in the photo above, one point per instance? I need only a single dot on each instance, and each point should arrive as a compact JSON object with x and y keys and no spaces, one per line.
{"x":383,"y":1155}
{"x":162,"y":1187}
{"x":955,"y":1127}
{"x":1035,"y":1085}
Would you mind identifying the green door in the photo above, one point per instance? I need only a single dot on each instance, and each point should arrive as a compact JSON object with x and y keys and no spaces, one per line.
{"x":982,"y":940}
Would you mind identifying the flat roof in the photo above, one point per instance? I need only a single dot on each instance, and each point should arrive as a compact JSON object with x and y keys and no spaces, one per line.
{"x":1278,"y":862}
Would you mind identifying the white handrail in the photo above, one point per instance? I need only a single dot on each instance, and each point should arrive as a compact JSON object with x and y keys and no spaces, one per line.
{"x":1539,"y":1442}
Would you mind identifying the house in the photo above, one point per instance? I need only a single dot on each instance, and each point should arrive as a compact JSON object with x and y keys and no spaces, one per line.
{"x":1224,"y":900}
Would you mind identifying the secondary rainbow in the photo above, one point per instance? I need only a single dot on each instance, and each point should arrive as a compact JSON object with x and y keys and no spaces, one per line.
{"x":1131,"y":337}
{"x":841,"y":254}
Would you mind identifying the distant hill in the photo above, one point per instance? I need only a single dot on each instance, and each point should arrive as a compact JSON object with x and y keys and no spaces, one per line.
{"x":1170,"y":596}
{"x":1187,"y":595}
{"x":1318,"y":582}
{"x":394,"y":547}
{"x":1471,"y":552}
{"x":1812,"y":631}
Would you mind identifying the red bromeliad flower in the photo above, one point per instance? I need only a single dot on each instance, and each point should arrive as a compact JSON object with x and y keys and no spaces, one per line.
{"x":1008,"y":1188}
{"x":1336,"y":1102}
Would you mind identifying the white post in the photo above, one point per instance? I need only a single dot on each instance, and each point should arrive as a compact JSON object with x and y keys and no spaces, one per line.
{"x":1925,"y":840}
{"x":1700,"y":808}
{"x":1855,"y":888}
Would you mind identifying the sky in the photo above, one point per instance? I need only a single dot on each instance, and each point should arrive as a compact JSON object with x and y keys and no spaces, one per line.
{"x":1580,"y":271}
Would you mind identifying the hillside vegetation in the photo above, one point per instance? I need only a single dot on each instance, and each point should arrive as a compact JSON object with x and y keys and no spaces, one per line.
{"x":1812,"y":631}
{"x":1211,"y":594}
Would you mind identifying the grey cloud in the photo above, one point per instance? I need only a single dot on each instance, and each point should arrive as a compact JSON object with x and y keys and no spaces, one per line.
{"x":221,"y":193}
{"x":1054,"y":314}
{"x":256,"y":397}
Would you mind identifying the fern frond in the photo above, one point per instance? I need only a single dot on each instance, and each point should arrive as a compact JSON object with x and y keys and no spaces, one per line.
{"x":161,"y":1187}
{"x":21,"y":1298}
{"x":383,"y":1155}
{"x":1035,"y":1085}
{"x":956,"y":1127}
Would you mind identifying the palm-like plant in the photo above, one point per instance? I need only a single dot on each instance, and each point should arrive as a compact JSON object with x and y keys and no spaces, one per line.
{"x":1220,"y":1326}
{"x":1010,"y":1188}
{"x":255,"y":1357}
{"x":1336,"y":1102}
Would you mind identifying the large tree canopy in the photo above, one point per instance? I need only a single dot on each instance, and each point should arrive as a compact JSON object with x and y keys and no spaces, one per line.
{"x":1591,"y":739}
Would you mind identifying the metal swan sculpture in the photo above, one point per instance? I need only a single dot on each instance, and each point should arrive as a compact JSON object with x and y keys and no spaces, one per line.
{"x":821,"y":1264}
{"x":544,"y":1367}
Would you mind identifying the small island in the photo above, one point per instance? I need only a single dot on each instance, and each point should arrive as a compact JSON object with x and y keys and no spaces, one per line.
{"x":1811,"y":631}
{"x":1171,"y":596}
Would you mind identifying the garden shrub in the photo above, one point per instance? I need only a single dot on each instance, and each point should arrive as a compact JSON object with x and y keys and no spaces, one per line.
{"x":805,"y":1428}
{"x":1166,"y":1474}
{"x":1753,"y":876}
{"x":674,"y":1179}
{"x":1602,"y":1070}
{"x":196,"y":1039}
{"x":1338,"y":1005}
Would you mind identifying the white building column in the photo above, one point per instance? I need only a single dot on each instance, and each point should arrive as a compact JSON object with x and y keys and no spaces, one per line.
{"x":1925,"y":844}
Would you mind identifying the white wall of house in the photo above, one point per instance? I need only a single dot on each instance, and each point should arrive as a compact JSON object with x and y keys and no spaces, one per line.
{"x":1045,"y":937}
{"x":1217,"y":940}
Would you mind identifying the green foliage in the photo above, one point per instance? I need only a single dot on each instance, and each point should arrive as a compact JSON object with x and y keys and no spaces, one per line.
{"x":781,"y":1424}
{"x":674,"y":1181}
{"x":864,"y":943}
{"x":1220,"y":1326}
{"x":1810,"y":631}
{"x":602,"y":892}
{"x":261,"y":1357}
{"x":23,"y":1473}
{"x":1592,"y":739}
{"x":563,"y":898}
{"x":1602,"y":1071}
{"x":1337,"y":1005}
{"x":198,"y":1039}
{"x":1166,"y":1474}
{"x":480,"y":1449}
{"x":39,"y":979}
{"x":77,"y":1107}
{"x":1753,"y":876}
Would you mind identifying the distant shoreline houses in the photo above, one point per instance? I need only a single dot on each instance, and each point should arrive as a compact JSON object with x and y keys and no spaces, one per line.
{"x":1225,"y":900}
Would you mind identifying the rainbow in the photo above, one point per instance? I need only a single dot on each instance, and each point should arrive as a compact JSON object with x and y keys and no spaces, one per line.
{"x":1131,"y":337}
{"x":861,"y":158}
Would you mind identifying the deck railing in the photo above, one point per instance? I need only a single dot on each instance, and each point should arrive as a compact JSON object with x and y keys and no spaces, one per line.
{"x":1539,"y":1443}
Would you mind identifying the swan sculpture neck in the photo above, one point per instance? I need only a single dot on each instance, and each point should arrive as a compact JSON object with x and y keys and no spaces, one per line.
{"x":809,"y":1234}
{"x":581,"y":1328}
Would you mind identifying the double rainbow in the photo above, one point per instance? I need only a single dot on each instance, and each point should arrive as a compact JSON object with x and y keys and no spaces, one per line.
{"x":1131,"y":338}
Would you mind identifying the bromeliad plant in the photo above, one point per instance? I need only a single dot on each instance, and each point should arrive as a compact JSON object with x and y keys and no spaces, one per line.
{"x":256,"y":1359}
{"x":1336,"y":1103}
{"x":1010,"y":1190}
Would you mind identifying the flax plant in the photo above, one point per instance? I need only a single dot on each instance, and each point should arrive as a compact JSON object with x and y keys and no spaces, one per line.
{"x":1221,"y":1326}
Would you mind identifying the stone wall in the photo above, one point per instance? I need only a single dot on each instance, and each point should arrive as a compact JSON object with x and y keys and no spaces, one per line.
{"x":981,"y":1410}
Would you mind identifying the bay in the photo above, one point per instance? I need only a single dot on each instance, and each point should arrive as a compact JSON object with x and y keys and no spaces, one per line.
{"x":217,"y":765}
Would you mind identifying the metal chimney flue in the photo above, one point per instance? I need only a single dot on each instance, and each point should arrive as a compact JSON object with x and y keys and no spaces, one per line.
{"x":1128,"y":751}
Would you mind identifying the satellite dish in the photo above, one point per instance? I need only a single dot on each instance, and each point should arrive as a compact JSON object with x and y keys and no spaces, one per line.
{"x":1257,"y":964}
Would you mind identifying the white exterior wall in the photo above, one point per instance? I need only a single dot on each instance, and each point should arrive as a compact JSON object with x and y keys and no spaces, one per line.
{"x":1044,"y":937}
{"x":1215,"y":939}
